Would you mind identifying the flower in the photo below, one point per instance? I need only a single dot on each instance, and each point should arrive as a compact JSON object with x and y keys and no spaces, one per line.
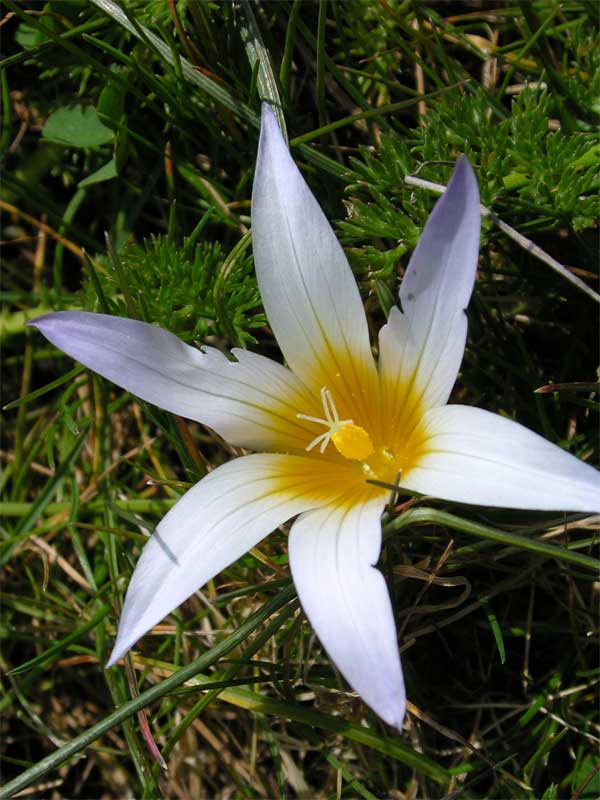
{"x":327,"y":424}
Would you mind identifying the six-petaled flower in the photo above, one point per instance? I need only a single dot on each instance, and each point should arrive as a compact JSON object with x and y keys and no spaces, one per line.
{"x":329,"y":426}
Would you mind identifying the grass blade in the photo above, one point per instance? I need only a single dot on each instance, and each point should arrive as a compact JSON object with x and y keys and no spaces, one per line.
{"x":37,"y":508}
{"x":128,"y":709}
{"x":422,"y":516}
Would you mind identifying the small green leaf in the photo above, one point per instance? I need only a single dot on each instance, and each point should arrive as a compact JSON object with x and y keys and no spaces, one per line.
{"x":26,"y":36}
{"x":105,"y":173}
{"x":121,"y":144}
{"x":514,"y":180}
{"x":586,"y":778}
{"x":111,"y":104}
{"x":495,"y":627}
{"x":539,"y":701}
{"x":551,"y":792}
{"x":77,"y":126}
{"x":589,"y":158}
{"x":385,"y":296}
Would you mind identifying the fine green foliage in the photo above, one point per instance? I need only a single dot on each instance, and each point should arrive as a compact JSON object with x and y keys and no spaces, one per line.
{"x":536,"y":178}
{"x":129,"y":136}
{"x":180,"y":288}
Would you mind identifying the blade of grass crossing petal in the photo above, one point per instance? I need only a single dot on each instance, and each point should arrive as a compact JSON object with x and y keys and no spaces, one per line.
{"x":258,"y":53}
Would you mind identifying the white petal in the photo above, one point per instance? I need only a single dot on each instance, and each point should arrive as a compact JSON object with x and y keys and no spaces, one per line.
{"x":251,"y":402}
{"x":332,"y":553}
{"x":421,"y":348}
{"x":473,"y":456}
{"x":308,"y":290}
{"x":215,"y":523}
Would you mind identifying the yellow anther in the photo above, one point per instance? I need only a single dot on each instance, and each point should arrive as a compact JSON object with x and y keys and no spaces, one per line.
{"x":349,"y":439}
{"x":353,"y":442}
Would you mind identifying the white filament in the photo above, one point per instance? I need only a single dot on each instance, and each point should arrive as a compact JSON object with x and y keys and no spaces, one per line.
{"x":332,"y":421}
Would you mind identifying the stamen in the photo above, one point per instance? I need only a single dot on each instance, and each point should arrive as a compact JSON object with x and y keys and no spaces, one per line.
{"x":332,"y":421}
{"x":329,"y":406}
{"x":350,"y":440}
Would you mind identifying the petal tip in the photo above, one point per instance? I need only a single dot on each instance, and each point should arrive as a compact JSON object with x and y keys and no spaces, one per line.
{"x":267,"y":113}
{"x":394,"y":714}
{"x":45,"y":322}
{"x":117,"y":654}
{"x":464,"y":179}
{"x":270,"y":132}
{"x":39,"y":322}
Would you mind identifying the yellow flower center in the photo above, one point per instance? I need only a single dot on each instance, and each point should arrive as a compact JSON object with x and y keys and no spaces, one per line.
{"x":378,"y":462}
{"x":382,"y":465}
{"x":350,"y":440}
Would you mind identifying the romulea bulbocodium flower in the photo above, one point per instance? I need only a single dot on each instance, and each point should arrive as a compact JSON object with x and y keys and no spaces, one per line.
{"x":332,"y":430}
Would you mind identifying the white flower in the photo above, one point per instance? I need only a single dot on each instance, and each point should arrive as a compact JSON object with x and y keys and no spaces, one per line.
{"x":326,"y":424}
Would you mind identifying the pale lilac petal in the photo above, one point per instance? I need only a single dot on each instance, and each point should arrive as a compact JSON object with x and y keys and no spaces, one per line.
{"x":215,"y":523}
{"x":332,"y":552}
{"x":252,"y":402}
{"x":421,"y":347}
{"x":307,"y":287}
{"x":473,"y":456}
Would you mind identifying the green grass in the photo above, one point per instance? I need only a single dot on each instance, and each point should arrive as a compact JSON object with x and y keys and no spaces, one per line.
{"x":143,"y":125}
